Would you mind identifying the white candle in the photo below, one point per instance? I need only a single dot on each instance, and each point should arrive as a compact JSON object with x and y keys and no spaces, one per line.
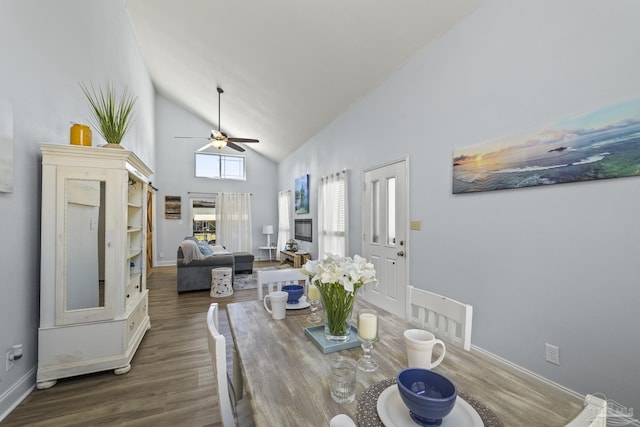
{"x":368,"y":326}
{"x":314,"y":293}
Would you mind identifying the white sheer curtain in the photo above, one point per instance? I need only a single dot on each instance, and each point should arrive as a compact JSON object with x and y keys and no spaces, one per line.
{"x":233,"y":222}
{"x":284,"y":218}
{"x":333,"y":229}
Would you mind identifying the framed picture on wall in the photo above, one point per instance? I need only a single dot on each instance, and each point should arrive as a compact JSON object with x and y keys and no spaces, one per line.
{"x":302,"y":194}
{"x":172,"y":207}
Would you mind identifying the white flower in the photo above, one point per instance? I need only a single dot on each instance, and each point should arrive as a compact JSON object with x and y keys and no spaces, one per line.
{"x":351,"y":273}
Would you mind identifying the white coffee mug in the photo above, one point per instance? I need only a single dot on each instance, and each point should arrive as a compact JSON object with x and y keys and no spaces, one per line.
{"x":420,"y":345}
{"x":278,"y":304}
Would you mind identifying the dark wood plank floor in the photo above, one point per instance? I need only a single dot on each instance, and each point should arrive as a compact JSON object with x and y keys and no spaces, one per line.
{"x":171,"y":380}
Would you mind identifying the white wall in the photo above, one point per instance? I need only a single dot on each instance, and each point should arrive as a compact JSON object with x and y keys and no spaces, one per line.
{"x":176,"y":177}
{"x":553,"y":264}
{"x":46,"y":49}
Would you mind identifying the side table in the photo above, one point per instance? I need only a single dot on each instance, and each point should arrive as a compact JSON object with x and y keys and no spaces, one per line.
{"x":269,"y":248}
{"x":221,"y":285}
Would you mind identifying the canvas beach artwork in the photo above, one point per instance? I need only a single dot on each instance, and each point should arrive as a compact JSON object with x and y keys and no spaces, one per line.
{"x":598,"y":145}
{"x":302,"y":194}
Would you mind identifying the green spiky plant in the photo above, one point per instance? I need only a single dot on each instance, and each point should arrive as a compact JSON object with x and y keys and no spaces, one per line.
{"x":112,"y":117}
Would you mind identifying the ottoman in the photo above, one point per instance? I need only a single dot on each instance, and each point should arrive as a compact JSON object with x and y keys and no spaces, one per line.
{"x":243,"y":262}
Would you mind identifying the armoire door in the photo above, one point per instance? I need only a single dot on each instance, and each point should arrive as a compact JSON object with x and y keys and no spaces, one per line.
{"x":150,"y":202}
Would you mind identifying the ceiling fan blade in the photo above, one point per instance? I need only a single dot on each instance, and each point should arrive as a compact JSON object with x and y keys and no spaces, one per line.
{"x":191,"y":137}
{"x":234,"y":146}
{"x":242,"y":140}
{"x":204,"y":147}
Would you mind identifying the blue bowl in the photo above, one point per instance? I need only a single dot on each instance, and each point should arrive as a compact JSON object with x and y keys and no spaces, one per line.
{"x":295,"y":292}
{"x":429,"y":396}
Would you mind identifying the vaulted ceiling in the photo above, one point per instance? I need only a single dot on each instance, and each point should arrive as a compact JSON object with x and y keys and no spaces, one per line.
{"x":288,"y":67}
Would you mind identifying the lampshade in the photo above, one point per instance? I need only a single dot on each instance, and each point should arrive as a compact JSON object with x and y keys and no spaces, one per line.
{"x":267,"y":229}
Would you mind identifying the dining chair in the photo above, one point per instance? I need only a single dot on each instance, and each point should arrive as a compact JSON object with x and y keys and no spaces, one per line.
{"x":276,"y":279}
{"x":218,"y":350}
{"x":448,"y":319}
{"x":594,"y":413}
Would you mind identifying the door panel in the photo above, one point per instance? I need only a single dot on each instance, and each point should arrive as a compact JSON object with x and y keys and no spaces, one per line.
{"x":150,"y":203}
{"x":385,"y":221}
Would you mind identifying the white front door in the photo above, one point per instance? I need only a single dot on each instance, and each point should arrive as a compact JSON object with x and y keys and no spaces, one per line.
{"x":384,"y":226}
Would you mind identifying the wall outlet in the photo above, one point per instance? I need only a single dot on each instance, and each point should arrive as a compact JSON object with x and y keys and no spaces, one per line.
{"x":8,"y":359}
{"x":552,"y":354}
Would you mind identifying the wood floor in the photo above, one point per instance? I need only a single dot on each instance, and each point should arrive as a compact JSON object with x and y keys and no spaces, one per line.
{"x":171,"y":379}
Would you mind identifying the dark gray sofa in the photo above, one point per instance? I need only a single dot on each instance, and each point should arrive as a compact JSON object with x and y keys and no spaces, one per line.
{"x":243,"y":262}
{"x":197,"y":274}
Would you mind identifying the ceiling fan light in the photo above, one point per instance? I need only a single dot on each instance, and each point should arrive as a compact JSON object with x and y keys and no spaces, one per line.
{"x":219,"y":143}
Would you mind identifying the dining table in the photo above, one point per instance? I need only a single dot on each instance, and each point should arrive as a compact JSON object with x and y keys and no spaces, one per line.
{"x":287,"y":382}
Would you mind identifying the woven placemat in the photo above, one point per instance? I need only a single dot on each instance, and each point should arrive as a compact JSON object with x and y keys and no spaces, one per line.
{"x":367,"y":414}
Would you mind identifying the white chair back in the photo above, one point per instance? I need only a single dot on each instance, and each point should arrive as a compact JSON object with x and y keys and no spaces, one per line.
{"x":274,"y":280}
{"x":448,"y":319}
{"x":219,"y":362}
{"x":594,"y":413}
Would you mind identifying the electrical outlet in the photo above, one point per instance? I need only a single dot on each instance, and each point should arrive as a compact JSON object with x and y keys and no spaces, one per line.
{"x":552,"y":354}
{"x":8,"y":359}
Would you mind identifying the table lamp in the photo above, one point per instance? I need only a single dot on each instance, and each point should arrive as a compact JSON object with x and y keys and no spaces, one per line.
{"x":268,"y":230}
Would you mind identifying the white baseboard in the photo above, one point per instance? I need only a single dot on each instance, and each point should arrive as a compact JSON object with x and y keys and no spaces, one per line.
{"x":167,"y":263}
{"x":527,"y":374}
{"x":17,"y":393}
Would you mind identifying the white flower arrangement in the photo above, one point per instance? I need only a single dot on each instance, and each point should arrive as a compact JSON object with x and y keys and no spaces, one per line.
{"x":338,"y":279}
{"x":351,"y":273}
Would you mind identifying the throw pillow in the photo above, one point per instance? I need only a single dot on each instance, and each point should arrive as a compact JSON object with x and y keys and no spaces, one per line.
{"x":219,"y":249}
{"x":204,"y":248}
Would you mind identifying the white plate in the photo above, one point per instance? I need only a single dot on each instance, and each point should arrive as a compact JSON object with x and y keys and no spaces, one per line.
{"x":394,"y":413}
{"x":298,"y":306}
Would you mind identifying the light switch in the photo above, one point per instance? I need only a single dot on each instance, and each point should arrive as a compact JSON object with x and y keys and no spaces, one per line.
{"x":416,"y":225}
{"x":93,"y":224}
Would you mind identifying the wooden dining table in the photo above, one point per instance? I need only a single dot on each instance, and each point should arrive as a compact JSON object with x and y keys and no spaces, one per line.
{"x":286,"y":376}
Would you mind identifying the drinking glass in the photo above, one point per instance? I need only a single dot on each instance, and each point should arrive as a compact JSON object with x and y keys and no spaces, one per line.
{"x":368,"y":334}
{"x":343,"y":379}
{"x":314,"y":300}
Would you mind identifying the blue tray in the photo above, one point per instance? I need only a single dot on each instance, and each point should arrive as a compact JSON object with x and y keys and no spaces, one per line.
{"x":316,"y":333}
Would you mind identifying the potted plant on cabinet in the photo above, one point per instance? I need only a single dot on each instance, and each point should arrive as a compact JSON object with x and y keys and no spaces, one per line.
{"x":111,"y":115}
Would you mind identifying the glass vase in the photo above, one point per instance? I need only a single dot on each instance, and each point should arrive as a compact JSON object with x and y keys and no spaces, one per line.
{"x":337,"y":306}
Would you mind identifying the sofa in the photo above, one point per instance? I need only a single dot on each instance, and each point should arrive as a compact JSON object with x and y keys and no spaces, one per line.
{"x":243,"y":262}
{"x":195,"y":260}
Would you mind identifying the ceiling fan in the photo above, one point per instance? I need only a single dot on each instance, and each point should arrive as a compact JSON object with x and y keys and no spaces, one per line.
{"x":220,"y":139}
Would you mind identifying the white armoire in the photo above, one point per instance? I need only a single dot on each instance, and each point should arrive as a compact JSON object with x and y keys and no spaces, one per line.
{"x":93,"y":296}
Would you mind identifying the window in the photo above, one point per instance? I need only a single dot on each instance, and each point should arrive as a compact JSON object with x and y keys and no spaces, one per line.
{"x":332,"y":215}
{"x":220,"y":166}
{"x":203,"y":216}
{"x":284,"y":221}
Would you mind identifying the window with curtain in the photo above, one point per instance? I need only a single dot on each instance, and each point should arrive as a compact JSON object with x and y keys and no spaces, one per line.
{"x":233,"y":221}
{"x":332,"y":215}
{"x":284,"y":218}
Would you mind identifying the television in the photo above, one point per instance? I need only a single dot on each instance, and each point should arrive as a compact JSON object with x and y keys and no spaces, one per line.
{"x":302,"y":229}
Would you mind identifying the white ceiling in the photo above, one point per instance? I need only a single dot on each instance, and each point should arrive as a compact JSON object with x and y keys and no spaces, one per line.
{"x":288,"y":67}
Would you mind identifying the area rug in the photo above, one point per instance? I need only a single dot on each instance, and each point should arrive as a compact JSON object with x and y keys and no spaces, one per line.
{"x":250,"y":281}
